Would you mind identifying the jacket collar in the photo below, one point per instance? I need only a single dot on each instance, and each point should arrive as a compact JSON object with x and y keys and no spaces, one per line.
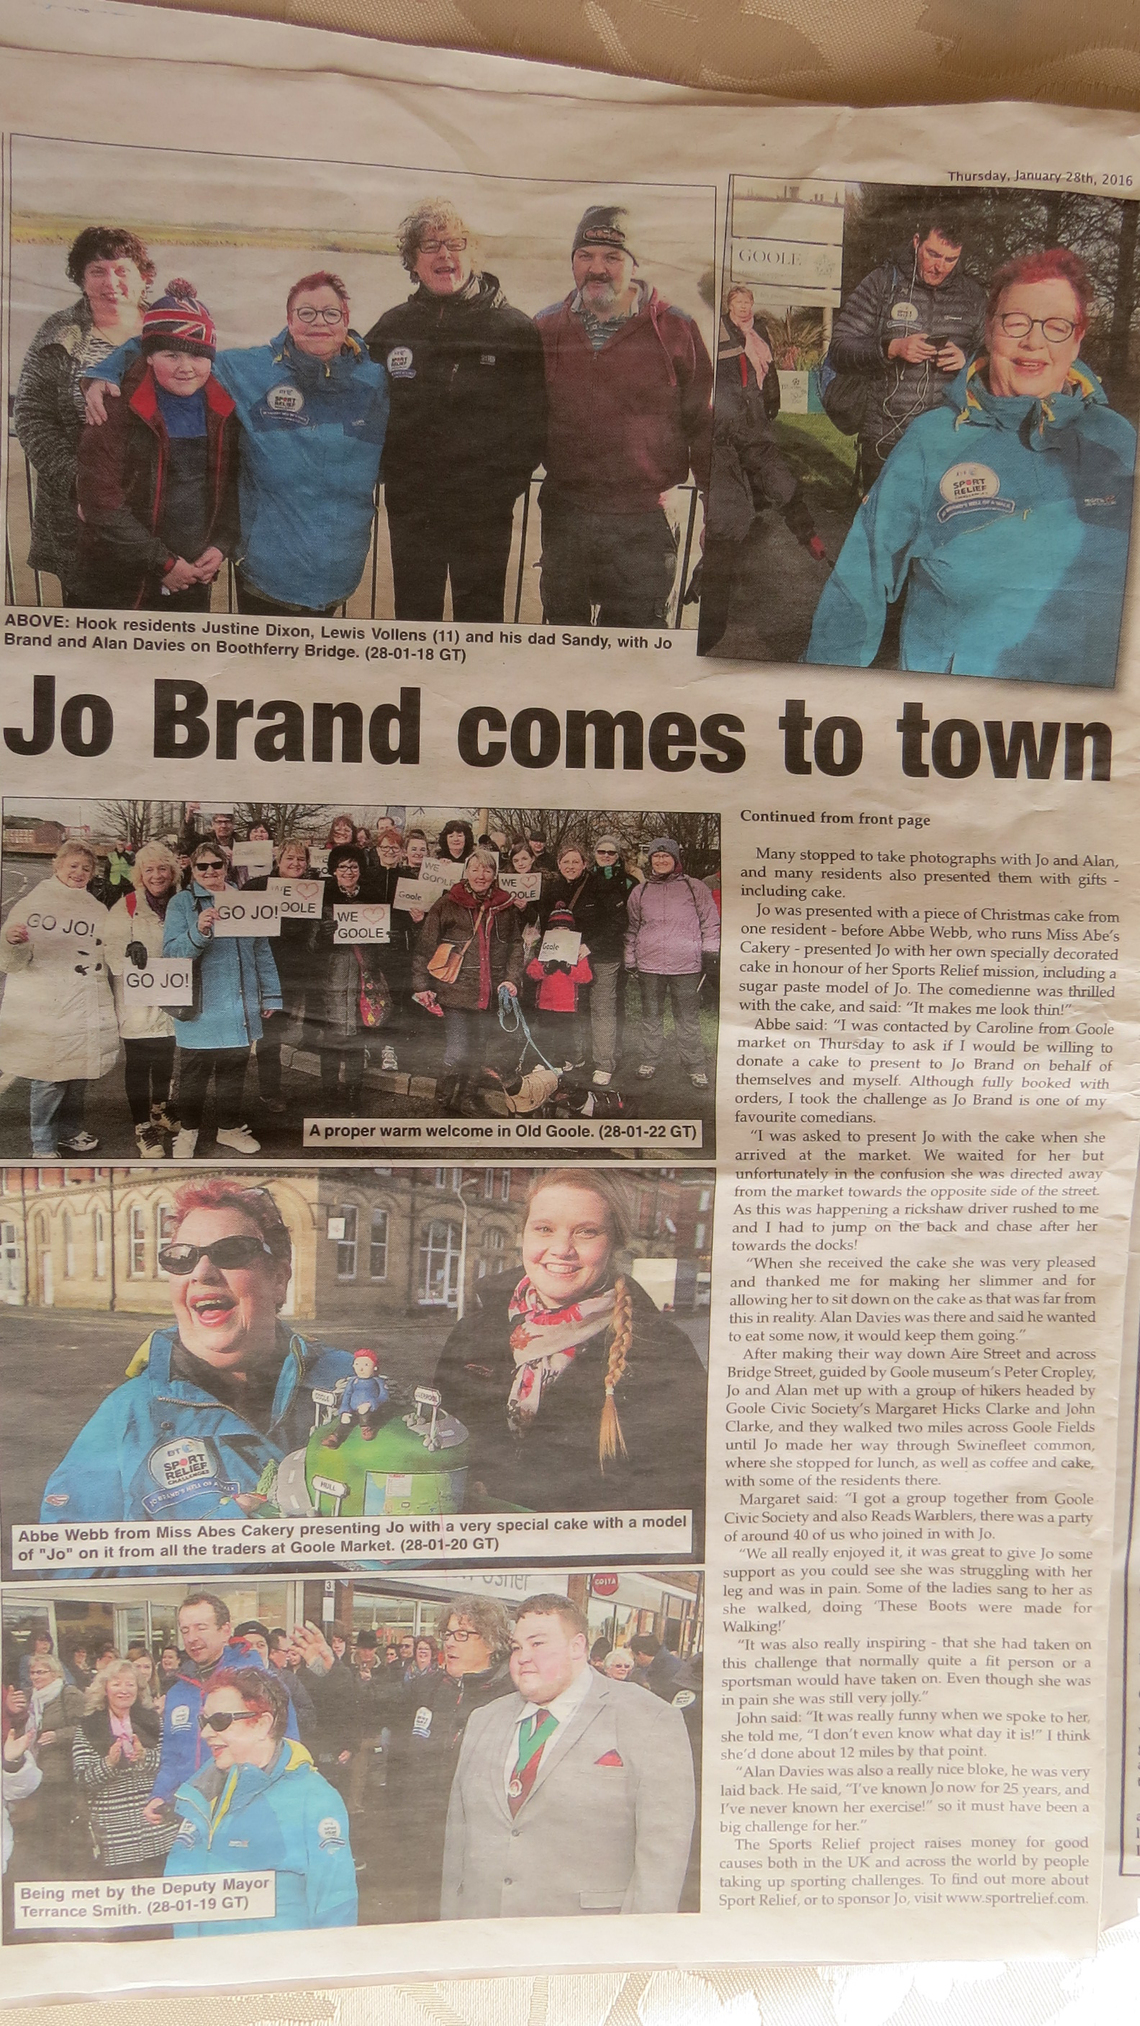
{"x":143,"y":398}
{"x":154,"y":1357}
{"x":1038,"y":418}
{"x":313,"y":372}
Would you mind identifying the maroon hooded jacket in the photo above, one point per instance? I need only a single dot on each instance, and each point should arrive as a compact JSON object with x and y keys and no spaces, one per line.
{"x":629,"y":421}
{"x":122,"y":477}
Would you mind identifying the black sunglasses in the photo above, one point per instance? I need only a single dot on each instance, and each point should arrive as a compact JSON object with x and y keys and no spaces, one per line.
{"x":209,"y":865}
{"x":223,"y":1718}
{"x":243,"y":1249}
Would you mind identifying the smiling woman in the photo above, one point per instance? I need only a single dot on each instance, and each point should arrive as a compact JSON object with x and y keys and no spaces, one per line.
{"x":213,"y":1401}
{"x":576,"y":1391}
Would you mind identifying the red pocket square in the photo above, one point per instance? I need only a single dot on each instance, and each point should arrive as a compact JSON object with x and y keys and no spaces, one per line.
{"x":610,"y":1759}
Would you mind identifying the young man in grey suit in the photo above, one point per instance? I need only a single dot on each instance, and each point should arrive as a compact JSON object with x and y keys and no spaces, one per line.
{"x":573,"y":1797}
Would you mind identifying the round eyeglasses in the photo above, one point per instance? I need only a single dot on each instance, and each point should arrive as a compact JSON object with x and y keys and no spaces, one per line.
{"x":1055,"y":330}
{"x":328,"y":315}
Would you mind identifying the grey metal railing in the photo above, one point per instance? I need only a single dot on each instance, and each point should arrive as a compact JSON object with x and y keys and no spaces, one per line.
{"x":371,"y":573}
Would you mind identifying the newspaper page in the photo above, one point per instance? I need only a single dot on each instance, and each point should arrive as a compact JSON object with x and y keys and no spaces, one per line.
{"x":567,"y":912}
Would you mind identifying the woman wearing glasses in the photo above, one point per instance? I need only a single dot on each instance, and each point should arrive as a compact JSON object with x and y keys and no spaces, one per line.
{"x":1003,"y":515}
{"x":236,"y":986}
{"x":427,"y":1729}
{"x":261,"y":1805}
{"x":312,"y":409}
{"x":217,"y":1396}
{"x":468,"y":421}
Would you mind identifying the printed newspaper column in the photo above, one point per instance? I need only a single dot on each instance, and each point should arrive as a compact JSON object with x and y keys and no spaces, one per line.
{"x":923,"y":1273}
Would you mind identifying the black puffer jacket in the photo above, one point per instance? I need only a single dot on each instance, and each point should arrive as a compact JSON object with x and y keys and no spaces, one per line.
{"x":743,"y":414}
{"x":468,"y":417}
{"x":554,"y":1467}
{"x":892,"y":302}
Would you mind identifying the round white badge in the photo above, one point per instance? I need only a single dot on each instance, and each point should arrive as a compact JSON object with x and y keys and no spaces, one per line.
{"x":969,"y":482}
{"x":399,"y":359}
{"x":904,"y":313}
{"x":285,"y":399}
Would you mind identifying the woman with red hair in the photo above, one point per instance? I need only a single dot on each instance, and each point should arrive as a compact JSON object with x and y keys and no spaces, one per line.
{"x":1002,"y":517}
{"x":210,"y":1403}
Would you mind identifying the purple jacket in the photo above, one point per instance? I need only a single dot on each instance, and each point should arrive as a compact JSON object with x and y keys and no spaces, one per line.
{"x":672,"y":924}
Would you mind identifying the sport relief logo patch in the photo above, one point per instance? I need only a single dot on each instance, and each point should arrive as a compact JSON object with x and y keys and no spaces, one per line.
{"x":399,"y":363}
{"x":904,"y":313}
{"x":968,"y":487}
{"x":285,"y":399}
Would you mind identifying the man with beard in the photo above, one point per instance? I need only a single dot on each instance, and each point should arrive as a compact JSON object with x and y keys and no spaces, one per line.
{"x":427,"y":1731}
{"x":467,"y":424}
{"x":629,"y":386}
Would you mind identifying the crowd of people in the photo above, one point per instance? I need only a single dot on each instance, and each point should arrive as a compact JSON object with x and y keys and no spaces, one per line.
{"x":474,"y":958}
{"x":573,"y":1391}
{"x":269,"y":456}
{"x":334,"y":1759}
{"x":994,"y":477}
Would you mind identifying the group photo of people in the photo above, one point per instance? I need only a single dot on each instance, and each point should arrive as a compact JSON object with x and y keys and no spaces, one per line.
{"x":416,"y":963}
{"x":467,"y":1749}
{"x":492,"y":402}
{"x":924,"y":452}
{"x":256,"y":1345}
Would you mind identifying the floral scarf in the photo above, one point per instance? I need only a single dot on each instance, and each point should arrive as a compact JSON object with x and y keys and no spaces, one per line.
{"x":544,"y":1341}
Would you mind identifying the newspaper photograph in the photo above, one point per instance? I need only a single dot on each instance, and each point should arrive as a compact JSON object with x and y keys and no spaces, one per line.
{"x":552,"y":1130}
{"x":283,"y":966}
{"x":350,"y":1768}
{"x":937,"y":397}
{"x":538,"y":1345}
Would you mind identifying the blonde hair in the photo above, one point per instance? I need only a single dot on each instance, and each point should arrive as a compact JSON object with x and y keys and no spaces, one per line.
{"x":598,"y":1182}
{"x":48,"y":1660}
{"x":293,"y":844}
{"x":72,"y":848}
{"x":95,"y":1696}
{"x":154,"y":854}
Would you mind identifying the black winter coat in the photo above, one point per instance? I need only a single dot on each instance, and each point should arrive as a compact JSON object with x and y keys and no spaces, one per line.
{"x":554,"y":1467}
{"x":892,"y":302}
{"x":467,"y":423}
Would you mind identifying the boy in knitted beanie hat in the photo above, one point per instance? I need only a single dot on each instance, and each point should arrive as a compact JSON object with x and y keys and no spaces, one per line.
{"x":158,"y":480}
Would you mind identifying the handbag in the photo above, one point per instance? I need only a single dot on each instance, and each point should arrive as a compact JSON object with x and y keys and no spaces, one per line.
{"x":375,"y":1000}
{"x":446,"y":960}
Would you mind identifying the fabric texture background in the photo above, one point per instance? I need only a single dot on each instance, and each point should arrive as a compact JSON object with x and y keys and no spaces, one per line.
{"x":844,"y":52}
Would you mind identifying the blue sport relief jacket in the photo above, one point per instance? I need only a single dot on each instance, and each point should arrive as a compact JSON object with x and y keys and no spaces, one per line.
{"x":1006,"y":520}
{"x":164,"y":1448}
{"x":286,"y":1819}
{"x":238,"y":975}
{"x":183,"y":1751}
{"x":312,"y":435}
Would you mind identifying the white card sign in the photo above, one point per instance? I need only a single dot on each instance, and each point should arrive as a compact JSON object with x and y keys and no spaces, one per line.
{"x":163,"y":981}
{"x":410,"y":894}
{"x":256,"y":854}
{"x":560,"y":946}
{"x":300,"y":899}
{"x":362,"y":922}
{"x":247,"y":914}
{"x":70,"y":922}
{"x":522,"y":885}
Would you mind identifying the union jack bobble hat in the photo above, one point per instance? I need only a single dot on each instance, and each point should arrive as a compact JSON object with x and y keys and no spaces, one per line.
{"x":179,"y":322}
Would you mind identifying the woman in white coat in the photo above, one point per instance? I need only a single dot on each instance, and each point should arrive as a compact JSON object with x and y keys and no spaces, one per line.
{"x":57,"y":1021}
{"x":134,"y":936}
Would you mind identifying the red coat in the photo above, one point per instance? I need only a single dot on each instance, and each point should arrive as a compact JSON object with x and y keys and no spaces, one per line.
{"x":122,"y":479}
{"x":558,"y":988}
{"x":626,"y":423}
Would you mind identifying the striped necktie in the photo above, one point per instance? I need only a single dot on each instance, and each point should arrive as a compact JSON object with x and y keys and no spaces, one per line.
{"x":531,"y":1744}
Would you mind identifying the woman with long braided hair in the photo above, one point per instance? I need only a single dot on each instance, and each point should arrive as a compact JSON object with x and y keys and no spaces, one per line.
{"x":577,"y":1392}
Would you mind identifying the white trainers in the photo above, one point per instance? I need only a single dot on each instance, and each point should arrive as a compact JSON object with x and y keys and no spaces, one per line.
{"x":152,"y":1146}
{"x":239,"y":1139}
{"x":184,"y":1144}
{"x":602,"y":1077}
